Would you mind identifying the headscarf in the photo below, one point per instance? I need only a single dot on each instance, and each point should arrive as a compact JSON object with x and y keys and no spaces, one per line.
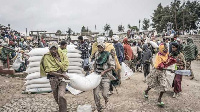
{"x":161,"y":55}
{"x":53,"y":44}
{"x":125,"y":41}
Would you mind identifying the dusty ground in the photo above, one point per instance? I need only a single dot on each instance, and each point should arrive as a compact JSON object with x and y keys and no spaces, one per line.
{"x":129,"y":99}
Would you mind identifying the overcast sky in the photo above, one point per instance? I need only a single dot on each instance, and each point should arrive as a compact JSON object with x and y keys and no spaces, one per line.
{"x":51,"y":15}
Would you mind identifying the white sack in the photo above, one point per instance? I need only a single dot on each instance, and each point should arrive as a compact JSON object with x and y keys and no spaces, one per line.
{"x":42,"y":80}
{"x":73,"y":51}
{"x":74,"y":68}
{"x":35,"y":75}
{"x":75,"y":60}
{"x":34,"y":64}
{"x":38,"y":51}
{"x":83,"y":75}
{"x":84,"y":108}
{"x":87,"y":83}
{"x":72,"y":90}
{"x":17,"y":62}
{"x":73,"y":55}
{"x":32,"y":70}
{"x":36,"y":90}
{"x":71,"y":46}
{"x":31,"y":86}
{"x":35,"y":58}
{"x":153,"y":44}
{"x":170,"y":76}
{"x":75,"y":71}
{"x":126,"y":72}
{"x":75,"y":64}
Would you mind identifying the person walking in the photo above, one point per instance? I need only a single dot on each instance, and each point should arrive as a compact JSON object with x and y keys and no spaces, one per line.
{"x":54,"y":65}
{"x":157,"y":79}
{"x":190,"y":52}
{"x":128,"y":53}
{"x":146,"y":60}
{"x":181,"y":65}
{"x":103,"y":65}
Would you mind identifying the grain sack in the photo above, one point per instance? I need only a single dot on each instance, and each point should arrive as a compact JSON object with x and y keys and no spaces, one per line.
{"x":73,"y":51}
{"x":75,"y":60}
{"x":87,"y":83}
{"x":73,"y":55}
{"x":37,"y":90}
{"x":126,"y":72}
{"x":153,"y":44}
{"x":72,"y":90}
{"x":75,"y":71}
{"x":42,"y":80}
{"x":38,"y":51}
{"x":31,"y":86}
{"x":32,"y":70}
{"x":74,"y":68}
{"x":75,"y":64}
{"x":35,"y":75}
{"x":34,"y":64}
{"x":35,"y":58}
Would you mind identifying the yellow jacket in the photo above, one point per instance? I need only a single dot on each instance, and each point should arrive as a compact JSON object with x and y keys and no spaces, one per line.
{"x":51,"y":64}
{"x":109,"y":47}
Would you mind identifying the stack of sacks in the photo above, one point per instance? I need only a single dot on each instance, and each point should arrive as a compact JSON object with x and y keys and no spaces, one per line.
{"x":34,"y":82}
{"x":75,"y":61}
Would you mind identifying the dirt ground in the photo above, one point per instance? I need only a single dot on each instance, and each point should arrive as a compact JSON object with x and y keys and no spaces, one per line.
{"x":129,"y":99}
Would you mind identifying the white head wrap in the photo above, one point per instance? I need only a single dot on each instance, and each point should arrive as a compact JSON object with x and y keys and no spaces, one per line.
{"x":100,"y":39}
{"x":115,"y":37}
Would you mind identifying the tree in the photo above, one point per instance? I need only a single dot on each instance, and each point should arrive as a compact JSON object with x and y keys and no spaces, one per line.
{"x":58,"y":33}
{"x":110,"y":33}
{"x":134,"y":28}
{"x":146,"y":24}
{"x":156,"y":18}
{"x":121,"y":28}
{"x":69,"y":32}
{"x":182,"y":15}
{"x":107,"y":27}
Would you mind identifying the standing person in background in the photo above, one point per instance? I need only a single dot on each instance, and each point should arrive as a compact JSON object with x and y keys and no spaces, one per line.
{"x":128,"y":53}
{"x":54,"y":65}
{"x":84,"y":48}
{"x":190,"y":52}
{"x":135,"y":54}
{"x":146,"y":60}
{"x":63,"y":47}
{"x":118,"y":48}
{"x":119,"y":52}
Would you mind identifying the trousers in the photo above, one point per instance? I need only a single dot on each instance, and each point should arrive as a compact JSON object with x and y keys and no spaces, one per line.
{"x":104,"y":86}
{"x":58,"y":88}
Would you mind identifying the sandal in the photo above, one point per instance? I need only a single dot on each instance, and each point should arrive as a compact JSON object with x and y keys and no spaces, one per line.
{"x":161,"y":104}
{"x":145,"y":95}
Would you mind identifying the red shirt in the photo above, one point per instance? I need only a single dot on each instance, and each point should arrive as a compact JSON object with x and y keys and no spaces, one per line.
{"x":128,"y":52}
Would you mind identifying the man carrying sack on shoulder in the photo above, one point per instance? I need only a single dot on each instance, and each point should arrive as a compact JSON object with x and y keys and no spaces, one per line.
{"x":54,"y":65}
{"x":103,"y":65}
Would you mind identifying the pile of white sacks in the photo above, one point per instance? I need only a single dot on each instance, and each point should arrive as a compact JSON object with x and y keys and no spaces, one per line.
{"x":78,"y":82}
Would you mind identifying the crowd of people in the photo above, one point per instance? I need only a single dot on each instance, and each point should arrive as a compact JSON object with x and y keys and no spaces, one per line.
{"x":105,"y":58}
